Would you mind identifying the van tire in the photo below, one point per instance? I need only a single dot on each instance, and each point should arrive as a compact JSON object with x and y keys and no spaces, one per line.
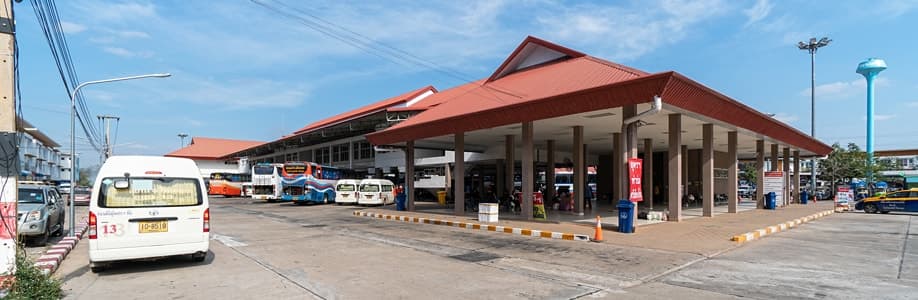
{"x":96,"y":268}
{"x":199,"y":256}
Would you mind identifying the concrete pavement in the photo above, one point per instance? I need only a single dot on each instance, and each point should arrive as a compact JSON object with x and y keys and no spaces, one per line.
{"x":261,"y":250}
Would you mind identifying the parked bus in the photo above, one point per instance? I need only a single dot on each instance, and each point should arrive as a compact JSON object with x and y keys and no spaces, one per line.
{"x":227,"y":184}
{"x":564,"y":179}
{"x":266,"y":181}
{"x":304,"y":182}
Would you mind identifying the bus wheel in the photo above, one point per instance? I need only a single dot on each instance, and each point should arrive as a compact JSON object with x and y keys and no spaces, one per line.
{"x":870,"y":208}
{"x":325,"y":199}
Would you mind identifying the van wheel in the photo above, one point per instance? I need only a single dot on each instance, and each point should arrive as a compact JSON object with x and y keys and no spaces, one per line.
{"x":96,"y":268}
{"x":199,"y":257}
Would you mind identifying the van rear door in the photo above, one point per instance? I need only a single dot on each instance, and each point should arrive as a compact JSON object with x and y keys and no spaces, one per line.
{"x":150,"y":211}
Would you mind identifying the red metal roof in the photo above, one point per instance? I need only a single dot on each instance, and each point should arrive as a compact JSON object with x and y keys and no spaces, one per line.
{"x":575,"y":85}
{"x":369,"y":109}
{"x":212,"y":148}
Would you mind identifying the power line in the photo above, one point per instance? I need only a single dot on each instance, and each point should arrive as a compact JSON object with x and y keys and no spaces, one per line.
{"x":46,"y":12}
{"x":371,"y":46}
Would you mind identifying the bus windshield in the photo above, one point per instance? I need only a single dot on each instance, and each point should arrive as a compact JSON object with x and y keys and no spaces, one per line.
{"x":264,"y":170}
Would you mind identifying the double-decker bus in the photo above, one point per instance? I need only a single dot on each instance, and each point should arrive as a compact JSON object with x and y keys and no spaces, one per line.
{"x":266,"y":181}
{"x":305,"y":182}
{"x":227,"y":184}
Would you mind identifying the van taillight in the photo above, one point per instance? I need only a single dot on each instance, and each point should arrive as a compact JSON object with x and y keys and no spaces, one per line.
{"x":92,"y":226}
{"x":207,"y":220}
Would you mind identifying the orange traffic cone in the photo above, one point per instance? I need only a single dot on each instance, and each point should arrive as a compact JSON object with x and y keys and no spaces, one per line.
{"x":597,"y":237}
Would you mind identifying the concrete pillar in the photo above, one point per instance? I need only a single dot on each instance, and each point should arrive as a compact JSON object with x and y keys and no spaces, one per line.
{"x":685,"y":159}
{"x":500,"y":178}
{"x":647,"y":177}
{"x":527,"y":169}
{"x":707,"y":170}
{"x":787,"y":178}
{"x":774,"y":158}
{"x":617,"y":147}
{"x":579,"y":176}
{"x":550,"y":171}
{"x":675,"y":168}
{"x":760,"y":174}
{"x":732,"y":173}
{"x":627,"y":150}
{"x":797,"y":176}
{"x":586,"y":171}
{"x":409,"y":174}
{"x":459,"y":174}
{"x":510,"y":162}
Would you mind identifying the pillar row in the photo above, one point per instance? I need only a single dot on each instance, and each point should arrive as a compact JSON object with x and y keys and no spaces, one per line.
{"x":674,"y":194}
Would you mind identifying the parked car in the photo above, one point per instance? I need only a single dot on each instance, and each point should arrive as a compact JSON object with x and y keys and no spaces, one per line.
{"x":346,"y":190}
{"x":904,"y":201}
{"x":147,"y":207}
{"x":81,"y":195}
{"x":40,"y":213}
{"x":64,"y":188}
{"x":376,"y":191}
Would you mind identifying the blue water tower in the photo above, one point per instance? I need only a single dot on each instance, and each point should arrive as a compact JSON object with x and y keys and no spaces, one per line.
{"x":870,"y":68}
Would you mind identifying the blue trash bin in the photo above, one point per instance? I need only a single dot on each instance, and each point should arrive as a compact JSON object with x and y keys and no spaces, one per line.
{"x":400,"y":200}
{"x":770,"y":200}
{"x":625,"y":213}
{"x":804,"y":197}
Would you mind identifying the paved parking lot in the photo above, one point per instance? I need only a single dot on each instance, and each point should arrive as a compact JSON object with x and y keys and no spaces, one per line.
{"x":261,"y":250}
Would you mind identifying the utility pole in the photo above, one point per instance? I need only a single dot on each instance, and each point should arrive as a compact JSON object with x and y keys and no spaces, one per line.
{"x":107,"y":148}
{"x":811,"y":46}
{"x":9,"y":162}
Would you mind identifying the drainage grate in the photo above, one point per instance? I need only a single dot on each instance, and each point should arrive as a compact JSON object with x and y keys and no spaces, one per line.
{"x":476,"y":256}
{"x":313,"y":225}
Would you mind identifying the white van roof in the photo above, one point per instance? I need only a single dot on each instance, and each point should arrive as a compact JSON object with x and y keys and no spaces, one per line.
{"x":116,"y":166}
{"x":376,"y":181}
{"x":348,"y":181}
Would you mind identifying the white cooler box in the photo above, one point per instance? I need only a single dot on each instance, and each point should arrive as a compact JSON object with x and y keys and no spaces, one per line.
{"x":487,"y":212}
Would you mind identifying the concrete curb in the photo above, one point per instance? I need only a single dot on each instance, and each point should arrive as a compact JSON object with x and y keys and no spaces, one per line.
{"x":55,"y":254}
{"x":476,"y":226}
{"x":759,"y":233}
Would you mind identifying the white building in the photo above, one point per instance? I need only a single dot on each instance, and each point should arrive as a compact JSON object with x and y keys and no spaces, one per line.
{"x":208,"y":154}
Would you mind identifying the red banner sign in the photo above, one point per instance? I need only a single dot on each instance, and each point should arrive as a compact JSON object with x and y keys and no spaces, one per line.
{"x":635,"y":166}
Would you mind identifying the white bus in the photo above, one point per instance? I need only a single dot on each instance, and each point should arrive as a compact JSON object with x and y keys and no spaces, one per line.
{"x":266,"y":181}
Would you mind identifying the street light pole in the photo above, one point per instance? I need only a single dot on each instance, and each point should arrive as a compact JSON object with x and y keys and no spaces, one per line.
{"x":182,"y":136}
{"x":73,"y":134}
{"x":811,"y":47}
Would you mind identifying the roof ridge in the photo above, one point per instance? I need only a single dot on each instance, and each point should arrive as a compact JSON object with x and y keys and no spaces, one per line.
{"x":633,"y":71}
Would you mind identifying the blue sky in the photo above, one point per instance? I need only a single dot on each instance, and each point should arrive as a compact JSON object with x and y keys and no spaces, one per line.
{"x":242,"y":71}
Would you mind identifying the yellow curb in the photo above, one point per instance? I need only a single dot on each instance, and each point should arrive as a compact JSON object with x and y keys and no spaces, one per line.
{"x":482,"y":227}
{"x":759,"y":233}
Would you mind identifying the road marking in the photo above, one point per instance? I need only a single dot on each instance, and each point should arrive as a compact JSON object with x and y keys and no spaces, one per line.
{"x":227,"y":240}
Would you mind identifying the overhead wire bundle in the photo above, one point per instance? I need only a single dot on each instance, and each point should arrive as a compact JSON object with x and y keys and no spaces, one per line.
{"x":48,"y":18}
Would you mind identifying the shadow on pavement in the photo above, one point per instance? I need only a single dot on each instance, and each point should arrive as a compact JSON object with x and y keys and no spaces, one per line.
{"x":137,"y":266}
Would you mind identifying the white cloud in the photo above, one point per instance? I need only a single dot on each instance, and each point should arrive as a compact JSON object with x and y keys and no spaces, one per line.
{"x":130,"y":34}
{"x":786,"y":118}
{"x":894,"y":8}
{"x":127,"y":53}
{"x":71,"y":28}
{"x":757,"y":12}
{"x":221,"y":94}
{"x":879,"y":117}
{"x":629,"y":32}
{"x":843,"y":89}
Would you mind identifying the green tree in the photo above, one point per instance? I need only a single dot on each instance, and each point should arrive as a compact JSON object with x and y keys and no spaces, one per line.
{"x":85,"y":173}
{"x":749,"y":173}
{"x":846,"y":163}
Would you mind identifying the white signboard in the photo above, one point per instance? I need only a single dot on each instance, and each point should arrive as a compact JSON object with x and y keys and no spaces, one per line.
{"x":774,"y":182}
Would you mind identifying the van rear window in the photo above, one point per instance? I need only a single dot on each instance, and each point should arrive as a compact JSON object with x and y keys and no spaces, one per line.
{"x":346,"y":187}
{"x":150,"y":192}
{"x":369,"y":188}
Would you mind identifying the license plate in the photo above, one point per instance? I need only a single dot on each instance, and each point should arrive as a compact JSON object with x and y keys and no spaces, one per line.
{"x":154,"y":226}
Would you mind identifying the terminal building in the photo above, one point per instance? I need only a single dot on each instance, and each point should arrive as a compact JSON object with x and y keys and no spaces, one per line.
{"x":209,"y":153}
{"x":547,"y":106}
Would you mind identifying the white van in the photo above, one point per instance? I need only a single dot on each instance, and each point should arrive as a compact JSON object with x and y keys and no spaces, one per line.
{"x":375,"y":191}
{"x":147,"y":207}
{"x":346,"y":191}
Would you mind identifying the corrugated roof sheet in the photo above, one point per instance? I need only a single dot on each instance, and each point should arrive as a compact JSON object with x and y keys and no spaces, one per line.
{"x":574,"y":85}
{"x":212,"y":148}
{"x":368,"y":109}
